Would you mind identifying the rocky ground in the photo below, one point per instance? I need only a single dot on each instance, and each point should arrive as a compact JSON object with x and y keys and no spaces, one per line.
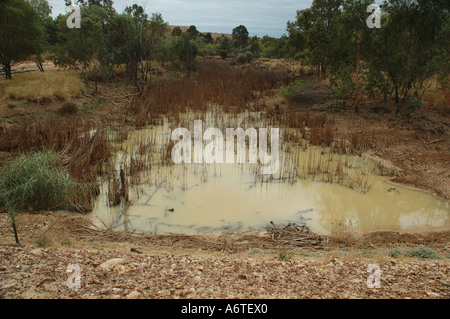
{"x":42,"y":273}
{"x":246,"y":266}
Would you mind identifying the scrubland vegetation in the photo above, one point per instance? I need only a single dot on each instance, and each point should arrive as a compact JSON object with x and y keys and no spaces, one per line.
{"x":42,"y":87}
{"x":63,"y":145}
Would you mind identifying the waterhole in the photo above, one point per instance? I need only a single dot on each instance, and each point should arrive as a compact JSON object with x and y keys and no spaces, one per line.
{"x":314,"y":186}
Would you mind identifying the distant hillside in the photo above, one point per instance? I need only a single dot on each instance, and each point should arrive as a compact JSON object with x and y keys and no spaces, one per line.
{"x":214,"y":35}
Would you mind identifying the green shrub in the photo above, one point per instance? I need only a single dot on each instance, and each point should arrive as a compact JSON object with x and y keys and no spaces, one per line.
{"x":284,"y":255}
{"x":223,"y":54}
{"x":394,"y":253}
{"x":36,"y":181}
{"x":310,"y":254}
{"x":254,"y":251}
{"x":422,"y":252}
{"x":100,"y":73}
{"x":242,"y":58}
{"x":249,"y":56}
{"x":292,"y":88}
{"x":419,"y":252}
{"x":365,"y":253}
{"x":409,"y":105}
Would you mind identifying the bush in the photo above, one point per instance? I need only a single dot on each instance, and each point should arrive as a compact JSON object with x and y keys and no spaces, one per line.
{"x":35,"y":182}
{"x":249,"y":56}
{"x":223,"y":54}
{"x":284,"y":255}
{"x":394,"y":253}
{"x":207,"y":50}
{"x":419,"y":252}
{"x":410,"y":104}
{"x":242,"y":58}
{"x":292,"y":88}
{"x":101,"y":73}
{"x":68,"y":108}
{"x":422,"y":252}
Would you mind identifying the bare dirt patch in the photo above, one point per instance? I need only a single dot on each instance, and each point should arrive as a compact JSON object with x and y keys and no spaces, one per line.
{"x":419,"y":147}
{"x":220,"y":266}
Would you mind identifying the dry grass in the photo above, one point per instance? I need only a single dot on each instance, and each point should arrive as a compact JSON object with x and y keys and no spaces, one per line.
{"x":82,"y":148}
{"x":438,"y":101}
{"x":215,"y":83}
{"x":344,"y":233}
{"x":41,"y":87}
{"x":81,"y":151}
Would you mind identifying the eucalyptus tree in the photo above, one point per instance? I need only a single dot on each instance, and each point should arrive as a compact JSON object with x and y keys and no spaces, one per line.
{"x":44,"y":10}
{"x":240,"y":38}
{"x":20,"y":33}
{"x":404,"y":49}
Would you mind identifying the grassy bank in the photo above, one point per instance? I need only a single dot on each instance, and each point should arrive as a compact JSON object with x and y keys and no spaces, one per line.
{"x":40,"y":87}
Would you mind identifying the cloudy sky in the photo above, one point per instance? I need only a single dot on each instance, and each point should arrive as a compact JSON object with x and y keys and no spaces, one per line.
{"x":261,"y":17}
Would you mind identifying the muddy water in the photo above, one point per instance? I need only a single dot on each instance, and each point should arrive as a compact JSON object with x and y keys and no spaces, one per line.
{"x":310,"y":189}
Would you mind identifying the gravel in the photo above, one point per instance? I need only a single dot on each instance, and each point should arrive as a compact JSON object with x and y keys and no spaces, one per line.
{"x":30,"y":273}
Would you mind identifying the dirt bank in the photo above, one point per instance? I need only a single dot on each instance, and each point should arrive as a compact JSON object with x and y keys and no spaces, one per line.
{"x":417,"y":150}
{"x":248,"y":265}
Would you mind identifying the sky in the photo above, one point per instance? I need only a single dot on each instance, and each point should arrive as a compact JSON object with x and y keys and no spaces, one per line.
{"x":261,"y":17}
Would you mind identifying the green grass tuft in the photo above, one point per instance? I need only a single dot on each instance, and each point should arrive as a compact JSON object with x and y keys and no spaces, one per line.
{"x":35,"y":182}
{"x":418,"y":252}
{"x":284,"y":255}
{"x":422,"y":252}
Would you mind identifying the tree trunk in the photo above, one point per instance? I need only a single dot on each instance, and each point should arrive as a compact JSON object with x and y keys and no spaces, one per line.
{"x":150,"y":58}
{"x":358,"y":60}
{"x":7,"y":70}
{"x":38,"y":61}
{"x":318,"y":73}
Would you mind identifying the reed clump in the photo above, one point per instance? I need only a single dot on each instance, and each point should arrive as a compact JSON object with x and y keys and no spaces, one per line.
{"x":321,"y":130}
{"x":38,"y":181}
{"x":215,"y":83}
{"x":82,"y":148}
{"x":81,"y":151}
